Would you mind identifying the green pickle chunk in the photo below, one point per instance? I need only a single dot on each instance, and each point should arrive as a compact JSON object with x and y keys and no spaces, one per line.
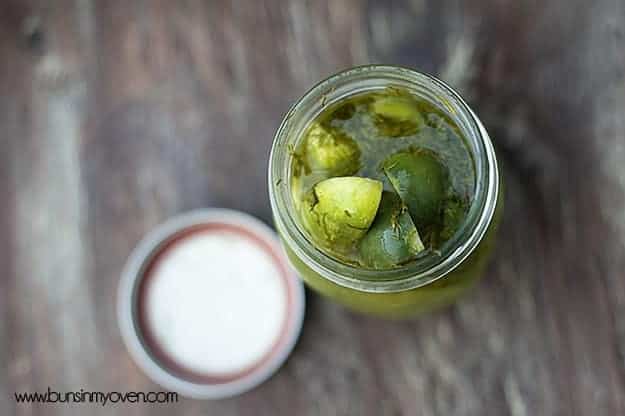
{"x":397,"y":115}
{"x":339,"y":211}
{"x":420,"y":179}
{"x":393,"y":238}
{"x":331,"y":151}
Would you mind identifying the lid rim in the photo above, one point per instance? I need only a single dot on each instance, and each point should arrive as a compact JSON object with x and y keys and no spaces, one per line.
{"x":126,"y":300}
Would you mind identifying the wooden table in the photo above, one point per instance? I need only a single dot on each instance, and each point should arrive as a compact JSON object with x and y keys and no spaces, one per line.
{"x":116,"y":115}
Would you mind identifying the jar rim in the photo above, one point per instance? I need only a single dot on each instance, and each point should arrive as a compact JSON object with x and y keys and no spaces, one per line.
{"x":422,"y":271}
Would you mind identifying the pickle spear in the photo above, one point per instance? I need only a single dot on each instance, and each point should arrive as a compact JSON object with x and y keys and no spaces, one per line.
{"x":420,"y":180}
{"x":331,"y":151}
{"x":393,"y":238}
{"x":339,"y":211}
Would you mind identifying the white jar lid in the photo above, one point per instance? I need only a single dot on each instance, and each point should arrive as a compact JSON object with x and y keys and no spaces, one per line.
{"x":208,"y":305}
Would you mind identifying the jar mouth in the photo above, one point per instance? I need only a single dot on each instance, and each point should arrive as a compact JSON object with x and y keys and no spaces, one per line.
{"x":423,"y":270}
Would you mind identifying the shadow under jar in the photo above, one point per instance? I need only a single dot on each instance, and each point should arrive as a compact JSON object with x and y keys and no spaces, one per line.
{"x":443,"y":268}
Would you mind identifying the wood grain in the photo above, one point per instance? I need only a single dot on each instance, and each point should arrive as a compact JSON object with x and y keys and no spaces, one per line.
{"x":115,"y":115}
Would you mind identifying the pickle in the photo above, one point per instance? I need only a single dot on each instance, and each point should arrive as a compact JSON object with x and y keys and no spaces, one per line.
{"x":331,"y":151}
{"x":393,"y":238}
{"x":397,"y":115}
{"x":339,"y":211}
{"x":420,"y":179}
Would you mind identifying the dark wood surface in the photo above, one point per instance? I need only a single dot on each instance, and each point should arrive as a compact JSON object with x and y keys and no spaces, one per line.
{"x":115,"y":115}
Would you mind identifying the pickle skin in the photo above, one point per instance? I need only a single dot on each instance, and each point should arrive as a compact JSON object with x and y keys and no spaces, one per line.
{"x":393,"y":238}
{"x":420,"y":179}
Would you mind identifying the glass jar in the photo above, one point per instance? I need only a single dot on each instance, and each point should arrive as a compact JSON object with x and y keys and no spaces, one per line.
{"x":428,"y":282}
